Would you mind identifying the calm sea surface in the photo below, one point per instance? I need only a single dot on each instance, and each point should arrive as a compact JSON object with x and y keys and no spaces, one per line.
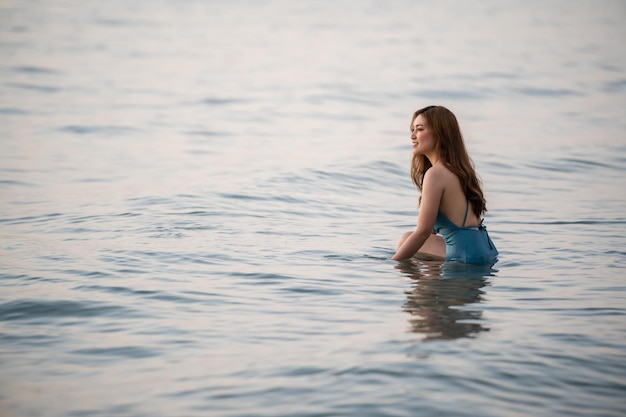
{"x":199,"y":200}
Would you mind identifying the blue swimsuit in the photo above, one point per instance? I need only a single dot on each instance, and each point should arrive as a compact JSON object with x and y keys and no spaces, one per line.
{"x":470,"y":245}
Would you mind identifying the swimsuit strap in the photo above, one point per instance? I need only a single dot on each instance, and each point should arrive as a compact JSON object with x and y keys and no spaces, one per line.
{"x":466,"y":208}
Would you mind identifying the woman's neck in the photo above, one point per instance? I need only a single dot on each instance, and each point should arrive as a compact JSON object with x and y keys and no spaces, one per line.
{"x":434,"y":158}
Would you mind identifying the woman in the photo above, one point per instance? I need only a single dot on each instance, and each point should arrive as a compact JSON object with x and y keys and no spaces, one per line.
{"x":451,"y":202}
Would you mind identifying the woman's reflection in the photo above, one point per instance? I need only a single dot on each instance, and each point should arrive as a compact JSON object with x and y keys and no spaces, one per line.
{"x":444,"y":299}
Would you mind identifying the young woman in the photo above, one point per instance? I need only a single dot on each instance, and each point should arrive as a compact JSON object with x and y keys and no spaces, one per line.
{"x":449,"y":225}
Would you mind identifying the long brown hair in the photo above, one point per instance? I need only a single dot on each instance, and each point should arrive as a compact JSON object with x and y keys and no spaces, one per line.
{"x":449,"y":140}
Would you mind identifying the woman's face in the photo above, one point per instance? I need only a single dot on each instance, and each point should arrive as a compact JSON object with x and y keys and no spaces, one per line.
{"x":421,"y":137}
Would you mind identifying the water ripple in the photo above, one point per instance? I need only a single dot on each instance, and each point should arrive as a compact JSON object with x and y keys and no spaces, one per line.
{"x":26,"y":310}
{"x":107,"y":130}
{"x":130,"y":352}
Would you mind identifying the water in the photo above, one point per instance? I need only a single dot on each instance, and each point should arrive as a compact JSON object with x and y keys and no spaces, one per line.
{"x":199,"y":200}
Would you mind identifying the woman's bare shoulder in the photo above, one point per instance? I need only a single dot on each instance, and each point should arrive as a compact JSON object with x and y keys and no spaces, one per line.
{"x":439,"y":172}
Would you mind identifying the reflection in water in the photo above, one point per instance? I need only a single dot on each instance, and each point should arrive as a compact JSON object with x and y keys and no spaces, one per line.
{"x":440,"y":298}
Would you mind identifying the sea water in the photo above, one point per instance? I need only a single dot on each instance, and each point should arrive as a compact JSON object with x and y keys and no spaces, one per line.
{"x":199,"y":201}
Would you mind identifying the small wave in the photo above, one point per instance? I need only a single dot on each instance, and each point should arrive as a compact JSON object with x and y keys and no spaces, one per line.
{"x":615,"y":86}
{"x":47,"y":309}
{"x":165,"y":233}
{"x":501,"y":75}
{"x":323,"y":99}
{"x":35,"y":87}
{"x":547,"y":92}
{"x":97,"y":130}
{"x":218,"y":101}
{"x":114,"y":22}
{"x":30,"y":340}
{"x":131,"y":352}
{"x":252,"y":197}
{"x":337,"y":117}
{"x":115,"y":290}
{"x":571,"y":165}
{"x":88,"y":274}
{"x":450,"y":94}
{"x":14,"y":183}
{"x":34,"y":70}
{"x":32,"y":219}
{"x":13,"y":111}
{"x":207,"y":133}
{"x":262,"y":278}
{"x":585,"y":163}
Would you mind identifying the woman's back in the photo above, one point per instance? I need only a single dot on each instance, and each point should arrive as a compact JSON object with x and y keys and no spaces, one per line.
{"x":453,"y":200}
{"x":465,"y":236}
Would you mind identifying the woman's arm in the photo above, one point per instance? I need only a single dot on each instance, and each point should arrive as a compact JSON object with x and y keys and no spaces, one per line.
{"x":432,"y":190}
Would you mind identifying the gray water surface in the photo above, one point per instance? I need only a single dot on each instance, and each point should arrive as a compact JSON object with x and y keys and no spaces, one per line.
{"x":199,"y":202}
